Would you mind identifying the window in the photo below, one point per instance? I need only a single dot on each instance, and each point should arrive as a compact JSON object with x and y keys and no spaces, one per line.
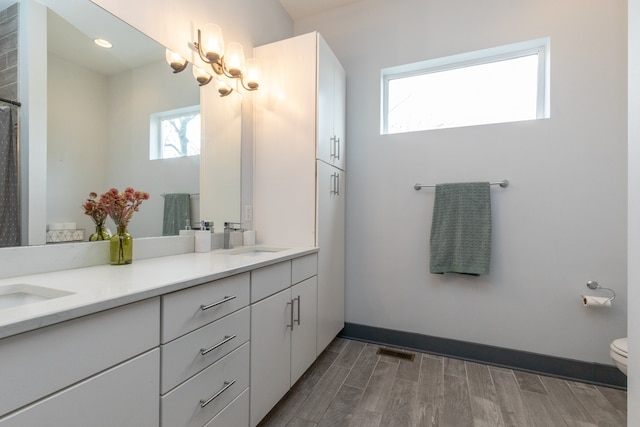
{"x":504,"y":84}
{"x":175,"y":133}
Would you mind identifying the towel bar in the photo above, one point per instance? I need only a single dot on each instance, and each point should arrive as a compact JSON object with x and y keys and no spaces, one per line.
{"x":504,"y":184}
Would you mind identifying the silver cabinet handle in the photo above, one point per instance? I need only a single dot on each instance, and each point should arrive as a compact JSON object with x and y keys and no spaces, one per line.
{"x":332,"y":149}
{"x":226,"y":339}
{"x":222,"y":301}
{"x":335,"y":184}
{"x":298,"y":298}
{"x":227,"y":384}
{"x":338,"y":150}
{"x":291,"y":324}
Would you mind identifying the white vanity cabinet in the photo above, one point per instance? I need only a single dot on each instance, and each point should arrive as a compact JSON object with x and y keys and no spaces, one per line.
{"x":299,"y":175}
{"x":283,"y":330}
{"x":66,"y":373}
{"x":205,"y":352}
{"x":183,"y":357}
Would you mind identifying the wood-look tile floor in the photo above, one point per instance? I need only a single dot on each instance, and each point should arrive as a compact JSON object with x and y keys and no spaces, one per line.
{"x":351,"y":385}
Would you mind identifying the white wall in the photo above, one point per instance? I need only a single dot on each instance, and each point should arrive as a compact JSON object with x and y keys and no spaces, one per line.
{"x":633,"y":384}
{"x":76,"y":140}
{"x":560,"y":223}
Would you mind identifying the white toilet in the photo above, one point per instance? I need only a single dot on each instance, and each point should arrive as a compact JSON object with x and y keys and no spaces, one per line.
{"x":619,"y":353}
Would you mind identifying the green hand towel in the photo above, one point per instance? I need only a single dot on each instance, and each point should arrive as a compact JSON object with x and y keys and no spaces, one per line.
{"x":461,"y":229}
{"x":177,"y":210}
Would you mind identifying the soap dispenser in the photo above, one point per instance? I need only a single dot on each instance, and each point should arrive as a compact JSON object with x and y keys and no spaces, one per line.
{"x":203,"y":237}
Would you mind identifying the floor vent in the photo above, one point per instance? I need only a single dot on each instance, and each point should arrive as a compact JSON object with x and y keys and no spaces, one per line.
{"x":396,"y":353}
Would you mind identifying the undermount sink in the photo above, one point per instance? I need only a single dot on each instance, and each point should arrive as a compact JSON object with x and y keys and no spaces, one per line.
{"x":21,"y":294}
{"x":254,"y":250}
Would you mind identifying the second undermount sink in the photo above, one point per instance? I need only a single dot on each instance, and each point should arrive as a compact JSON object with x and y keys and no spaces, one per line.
{"x":22,"y":294}
{"x":254,"y":250}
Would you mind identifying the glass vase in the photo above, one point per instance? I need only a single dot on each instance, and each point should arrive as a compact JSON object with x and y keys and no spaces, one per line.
{"x":100,"y":234}
{"x":121,"y":248}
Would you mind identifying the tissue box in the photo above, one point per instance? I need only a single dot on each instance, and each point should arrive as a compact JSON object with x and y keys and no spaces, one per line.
{"x":60,"y":236}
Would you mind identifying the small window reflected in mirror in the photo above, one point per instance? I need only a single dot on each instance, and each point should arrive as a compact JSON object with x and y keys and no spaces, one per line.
{"x":175,"y":133}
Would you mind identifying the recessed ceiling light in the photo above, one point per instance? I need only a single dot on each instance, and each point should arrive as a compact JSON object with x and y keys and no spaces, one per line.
{"x":103,"y":43}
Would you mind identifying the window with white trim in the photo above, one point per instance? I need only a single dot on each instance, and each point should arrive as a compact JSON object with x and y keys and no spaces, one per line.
{"x":175,"y":133}
{"x":497,"y":85}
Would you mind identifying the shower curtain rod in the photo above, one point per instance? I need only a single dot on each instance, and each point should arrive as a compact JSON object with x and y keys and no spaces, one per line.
{"x":9,"y":101}
{"x":504,"y":184}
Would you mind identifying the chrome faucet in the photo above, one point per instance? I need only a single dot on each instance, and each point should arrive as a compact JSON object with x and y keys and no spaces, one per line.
{"x":228,"y":228}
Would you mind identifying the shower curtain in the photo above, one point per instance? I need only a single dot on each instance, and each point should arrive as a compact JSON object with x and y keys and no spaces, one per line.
{"x":9,"y":182}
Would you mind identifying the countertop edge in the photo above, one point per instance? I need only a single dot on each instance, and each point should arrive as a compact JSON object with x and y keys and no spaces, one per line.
{"x":51,"y":318}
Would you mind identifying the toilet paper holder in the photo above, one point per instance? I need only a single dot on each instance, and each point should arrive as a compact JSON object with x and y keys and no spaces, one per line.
{"x":592,"y":284}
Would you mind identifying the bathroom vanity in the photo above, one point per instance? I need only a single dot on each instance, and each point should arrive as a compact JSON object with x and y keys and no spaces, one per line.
{"x":164,"y":341}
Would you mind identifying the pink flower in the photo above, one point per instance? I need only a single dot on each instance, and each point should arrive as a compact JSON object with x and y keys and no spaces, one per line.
{"x":121,"y":206}
{"x":94,"y":209}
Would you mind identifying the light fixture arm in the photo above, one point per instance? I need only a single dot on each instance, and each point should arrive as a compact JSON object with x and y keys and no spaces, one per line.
{"x":215,"y":61}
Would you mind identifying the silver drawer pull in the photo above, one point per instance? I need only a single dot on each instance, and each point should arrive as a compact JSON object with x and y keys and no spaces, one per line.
{"x":227,"y":384}
{"x":226,"y":339}
{"x":298,"y":298}
{"x":222,"y":301}
{"x":291,"y":324}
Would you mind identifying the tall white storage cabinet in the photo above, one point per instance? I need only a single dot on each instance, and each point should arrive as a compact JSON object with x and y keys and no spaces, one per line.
{"x":299,"y":175}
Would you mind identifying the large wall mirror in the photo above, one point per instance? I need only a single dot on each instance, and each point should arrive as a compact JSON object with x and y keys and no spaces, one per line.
{"x":104,"y":108}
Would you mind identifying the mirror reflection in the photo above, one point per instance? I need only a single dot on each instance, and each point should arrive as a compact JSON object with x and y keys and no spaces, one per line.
{"x":105,"y":111}
{"x":115,"y":118}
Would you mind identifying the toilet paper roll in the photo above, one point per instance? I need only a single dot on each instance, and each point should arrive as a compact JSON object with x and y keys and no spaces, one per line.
{"x":69,"y":225}
{"x":591,"y":301}
{"x":56,"y":226}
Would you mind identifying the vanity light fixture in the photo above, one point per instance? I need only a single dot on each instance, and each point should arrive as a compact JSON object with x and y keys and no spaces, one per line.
{"x":211,"y":48}
{"x":175,"y":61}
{"x":103,"y":43}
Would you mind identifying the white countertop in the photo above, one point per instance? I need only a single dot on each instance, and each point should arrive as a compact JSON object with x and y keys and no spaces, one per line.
{"x":106,"y":286}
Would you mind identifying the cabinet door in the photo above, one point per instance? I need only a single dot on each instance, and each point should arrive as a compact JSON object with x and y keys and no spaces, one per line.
{"x":37,"y":363}
{"x":339,"y":114}
{"x":270,"y":353}
{"x":303,"y":340}
{"x":325,"y":135}
{"x":331,"y":229}
{"x":331,"y":107}
{"x":124,"y":396}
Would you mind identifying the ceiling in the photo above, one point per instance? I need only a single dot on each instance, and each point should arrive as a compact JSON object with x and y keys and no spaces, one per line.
{"x":71,"y":38}
{"x":298,"y":9}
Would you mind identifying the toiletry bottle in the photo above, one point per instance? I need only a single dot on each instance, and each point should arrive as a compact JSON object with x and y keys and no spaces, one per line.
{"x":203,"y":239}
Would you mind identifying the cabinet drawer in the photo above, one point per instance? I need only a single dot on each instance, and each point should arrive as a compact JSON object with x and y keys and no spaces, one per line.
{"x":185,"y":405}
{"x":126,"y":396}
{"x":40,"y":362}
{"x":182,"y":358}
{"x":235,"y":414}
{"x":191,"y":308}
{"x":268,"y":280}
{"x":303,"y":268}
